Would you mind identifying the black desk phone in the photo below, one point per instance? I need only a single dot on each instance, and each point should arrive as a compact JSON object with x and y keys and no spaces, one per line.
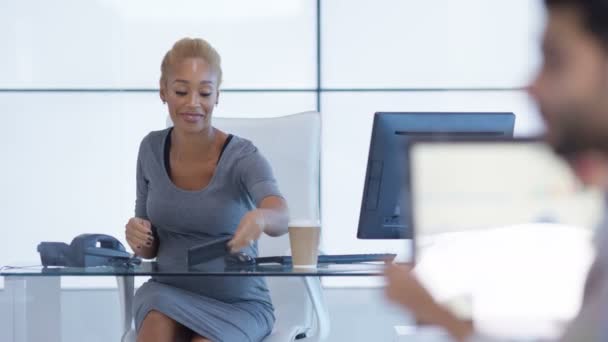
{"x":86,"y":250}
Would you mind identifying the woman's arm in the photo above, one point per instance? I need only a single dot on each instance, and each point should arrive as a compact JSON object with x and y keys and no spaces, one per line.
{"x":271,"y":214}
{"x":141,"y":239}
{"x":271,"y":217}
{"x":275,"y":214}
{"x":138,"y":232}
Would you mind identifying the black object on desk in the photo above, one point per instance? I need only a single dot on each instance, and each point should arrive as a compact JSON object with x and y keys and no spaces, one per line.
{"x":331,"y":259}
{"x":208,"y":251}
{"x":218,"y":248}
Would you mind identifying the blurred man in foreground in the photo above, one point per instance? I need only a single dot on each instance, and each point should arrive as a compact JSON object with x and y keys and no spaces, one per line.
{"x":571,"y":90}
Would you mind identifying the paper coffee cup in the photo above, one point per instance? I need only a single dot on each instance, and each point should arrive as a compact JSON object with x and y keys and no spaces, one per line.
{"x":304,"y":237}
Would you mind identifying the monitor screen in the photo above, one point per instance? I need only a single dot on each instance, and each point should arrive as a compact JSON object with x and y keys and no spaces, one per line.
{"x":383,"y":214}
{"x":459,"y":186}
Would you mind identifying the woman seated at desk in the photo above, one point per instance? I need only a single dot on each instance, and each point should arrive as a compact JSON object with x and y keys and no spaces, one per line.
{"x":196,"y":183}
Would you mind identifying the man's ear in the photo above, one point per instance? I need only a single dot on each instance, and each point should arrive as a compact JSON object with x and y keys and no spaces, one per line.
{"x":162,"y":92}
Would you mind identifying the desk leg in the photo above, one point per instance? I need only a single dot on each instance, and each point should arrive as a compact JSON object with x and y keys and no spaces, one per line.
{"x":35,"y":308}
{"x":126,"y":291}
{"x":315,"y":291}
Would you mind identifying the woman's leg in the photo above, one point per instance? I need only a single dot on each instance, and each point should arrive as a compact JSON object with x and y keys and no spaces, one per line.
{"x":158,"y":327}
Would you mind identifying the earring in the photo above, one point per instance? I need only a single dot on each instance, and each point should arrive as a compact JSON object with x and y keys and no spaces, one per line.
{"x":164,"y":102}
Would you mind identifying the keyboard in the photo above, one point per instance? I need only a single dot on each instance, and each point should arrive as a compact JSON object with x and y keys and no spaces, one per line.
{"x":332,"y":259}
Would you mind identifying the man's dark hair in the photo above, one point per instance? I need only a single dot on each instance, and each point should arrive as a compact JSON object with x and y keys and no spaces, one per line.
{"x":593,"y":12}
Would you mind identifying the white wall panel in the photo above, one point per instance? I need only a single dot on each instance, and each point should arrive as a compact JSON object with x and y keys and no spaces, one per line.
{"x":109,"y":43}
{"x":429,"y":44}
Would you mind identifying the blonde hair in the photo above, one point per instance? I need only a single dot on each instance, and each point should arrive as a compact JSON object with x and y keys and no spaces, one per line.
{"x":191,"y":48}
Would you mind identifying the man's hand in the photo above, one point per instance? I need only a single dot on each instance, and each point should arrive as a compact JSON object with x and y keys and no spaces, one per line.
{"x":404,"y":288}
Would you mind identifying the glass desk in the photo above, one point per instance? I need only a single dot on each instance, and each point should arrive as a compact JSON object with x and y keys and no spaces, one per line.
{"x":34,"y":292}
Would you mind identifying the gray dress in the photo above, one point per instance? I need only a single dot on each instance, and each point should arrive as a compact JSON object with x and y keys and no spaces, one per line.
{"x":218,"y":308}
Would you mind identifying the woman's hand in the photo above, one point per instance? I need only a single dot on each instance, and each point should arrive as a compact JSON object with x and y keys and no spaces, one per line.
{"x":249,"y":230}
{"x":140,"y":237}
{"x":404,"y":288}
{"x":271,"y":218}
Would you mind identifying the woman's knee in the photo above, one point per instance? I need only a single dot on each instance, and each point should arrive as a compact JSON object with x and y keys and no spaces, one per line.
{"x":197,"y":338}
{"x":158,"y":317}
{"x":157,"y":326}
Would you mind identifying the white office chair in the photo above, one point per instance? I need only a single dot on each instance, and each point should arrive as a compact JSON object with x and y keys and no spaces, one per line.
{"x":292,"y":146}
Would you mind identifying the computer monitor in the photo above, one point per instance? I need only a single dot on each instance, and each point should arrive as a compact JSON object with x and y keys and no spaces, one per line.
{"x":382,"y":215}
{"x":464,"y":186}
